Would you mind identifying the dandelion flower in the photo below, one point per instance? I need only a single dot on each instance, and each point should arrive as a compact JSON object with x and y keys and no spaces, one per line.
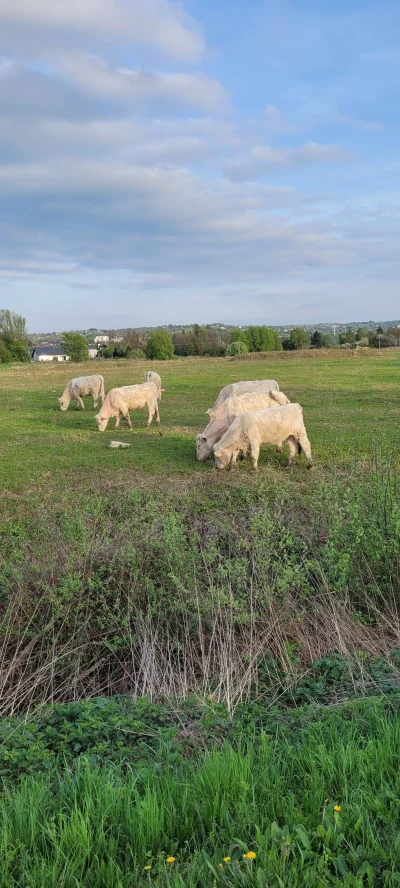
{"x":226,"y":859}
{"x":337,"y":808}
{"x":251,"y":855}
{"x":170,"y":859}
{"x":148,"y":867}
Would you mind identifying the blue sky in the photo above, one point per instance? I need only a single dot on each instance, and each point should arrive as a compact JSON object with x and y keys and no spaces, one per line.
{"x":232,"y":161}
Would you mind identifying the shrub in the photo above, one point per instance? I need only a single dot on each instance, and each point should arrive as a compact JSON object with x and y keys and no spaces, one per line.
{"x":160,"y":346}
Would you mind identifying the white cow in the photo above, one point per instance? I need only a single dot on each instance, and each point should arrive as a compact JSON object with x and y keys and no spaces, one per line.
{"x":79,"y":387}
{"x":126,"y":398}
{"x":222,"y":417}
{"x":257,"y":427}
{"x":151,"y":376}
{"x":235,"y":389}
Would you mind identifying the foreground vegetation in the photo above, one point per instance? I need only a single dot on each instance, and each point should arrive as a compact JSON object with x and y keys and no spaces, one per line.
{"x":193,"y":664}
{"x":312,"y":802}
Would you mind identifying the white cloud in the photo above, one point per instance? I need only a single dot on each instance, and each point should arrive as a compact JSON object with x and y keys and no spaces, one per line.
{"x":159,"y":24}
{"x":94,"y":77}
{"x":263,"y":159}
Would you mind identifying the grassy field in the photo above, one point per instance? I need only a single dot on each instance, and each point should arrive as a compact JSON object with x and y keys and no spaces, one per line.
{"x":200,"y":664}
{"x":350,"y":404}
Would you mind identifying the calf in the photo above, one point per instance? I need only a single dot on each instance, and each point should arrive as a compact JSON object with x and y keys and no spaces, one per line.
{"x":222,"y":417}
{"x":257,"y":427}
{"x":126,"y":398}
{"x":79,"y":387}
{"x":235,"y":389}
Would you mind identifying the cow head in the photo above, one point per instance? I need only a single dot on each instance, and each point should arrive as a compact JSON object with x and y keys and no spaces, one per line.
{"x":102,"y":422}
{"x":63,"y":402}
{"x":203,"y":447}
{"x":222,"y":458}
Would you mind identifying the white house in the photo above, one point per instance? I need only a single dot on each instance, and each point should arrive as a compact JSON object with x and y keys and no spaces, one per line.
{"x":48,"y":353}
{"x":93,"y":350}
{"x":103,"y":339}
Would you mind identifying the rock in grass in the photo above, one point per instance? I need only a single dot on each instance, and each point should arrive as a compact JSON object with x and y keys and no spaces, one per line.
{"x":118,"y":444}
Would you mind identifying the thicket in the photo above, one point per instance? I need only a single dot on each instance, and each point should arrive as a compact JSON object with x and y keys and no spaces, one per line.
{"x":163,"y":594}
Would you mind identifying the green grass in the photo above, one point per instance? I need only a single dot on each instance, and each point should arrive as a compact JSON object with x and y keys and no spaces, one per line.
{"x":98,"y":827}
{"x":141,"y":572}
{"x":348,"y":402}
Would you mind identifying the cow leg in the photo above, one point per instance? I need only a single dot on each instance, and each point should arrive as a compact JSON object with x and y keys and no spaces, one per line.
{"x":95,"y":403}
{"x":306,"y":448}
{"x":117,"y":419}
{"x":80,"y":402}
{"x":158,"y":420}
{"x":151,"y":414}
{"x":254,"y":454}
{"x":128,"y":419}
{"x":279,"y":448}
{"x":292,"y":448}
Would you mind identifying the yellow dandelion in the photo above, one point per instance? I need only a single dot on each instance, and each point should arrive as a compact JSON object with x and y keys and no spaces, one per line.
{"x":226,"y":859}
{"x":148,"y":867}
{"x":251,"y":855}
{"x":337,"y":808}
{"x":171,"y":859}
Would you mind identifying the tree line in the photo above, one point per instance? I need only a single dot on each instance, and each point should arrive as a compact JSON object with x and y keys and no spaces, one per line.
{"x":201,"y":341}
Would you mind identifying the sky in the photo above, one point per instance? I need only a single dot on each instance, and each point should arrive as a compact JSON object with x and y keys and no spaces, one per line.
{"x":233,"y":162}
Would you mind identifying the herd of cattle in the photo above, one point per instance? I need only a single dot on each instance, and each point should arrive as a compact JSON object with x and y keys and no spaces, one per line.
{"x":244,"y":416}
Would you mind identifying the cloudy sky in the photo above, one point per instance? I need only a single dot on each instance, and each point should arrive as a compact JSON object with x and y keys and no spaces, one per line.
{"x":203,"y":161}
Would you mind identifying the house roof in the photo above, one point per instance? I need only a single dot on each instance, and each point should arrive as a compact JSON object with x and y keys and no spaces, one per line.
{"x":49,"y":350}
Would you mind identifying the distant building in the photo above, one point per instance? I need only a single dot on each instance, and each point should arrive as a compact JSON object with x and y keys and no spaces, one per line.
{"x":48,"y":353}
{"x":93,"y":350}
{"x":104,"y":340}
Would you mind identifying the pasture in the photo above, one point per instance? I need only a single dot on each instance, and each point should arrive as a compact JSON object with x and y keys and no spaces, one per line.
{"x":194,"y":664}
{"x":351,"y":404}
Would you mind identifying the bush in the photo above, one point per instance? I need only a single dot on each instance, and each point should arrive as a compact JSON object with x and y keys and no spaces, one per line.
{"x":236,"y":348}
{"x":160,"y":346}
{"x":75,"y":345}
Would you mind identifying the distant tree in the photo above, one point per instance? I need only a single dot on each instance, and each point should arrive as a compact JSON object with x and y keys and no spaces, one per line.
{"x":13,"y":326}
{"x":261,"y":339}
{"x":238,"y":335}
{"x":133,"y":339}
{"x":13,"y":337}
{"x":75,"y":345}
{"x":348,"y":337}
{"x":237,"y":348}
{"x":160,"y":346}
{"x":299,"y":338}
{"x":379,"y":331}
{"x":317,"y":339}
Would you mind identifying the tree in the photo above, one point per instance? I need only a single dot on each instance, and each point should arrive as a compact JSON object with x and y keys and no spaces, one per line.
{"x":317,"y":340}
{"x":238,"y":335}
{"x":75,"y":345}
{"x":236,"y":348}
{"x":13,"y":337}
{"x":160,"y":346}
{"x":260,"y":339}
{"x":299,"y":338}
{"x":13,"y":325}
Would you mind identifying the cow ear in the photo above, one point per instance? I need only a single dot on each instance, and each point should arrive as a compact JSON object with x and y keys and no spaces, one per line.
{"x":273,"y":396}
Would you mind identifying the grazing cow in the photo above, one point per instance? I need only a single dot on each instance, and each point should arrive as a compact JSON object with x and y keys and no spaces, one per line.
{"x":222,"y":417}
{"x":257,"y":427}
{"x":235,"y":389}
{"x":126,"y":398}
{"x":78,"y":388}
{"x":151,"y":376}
